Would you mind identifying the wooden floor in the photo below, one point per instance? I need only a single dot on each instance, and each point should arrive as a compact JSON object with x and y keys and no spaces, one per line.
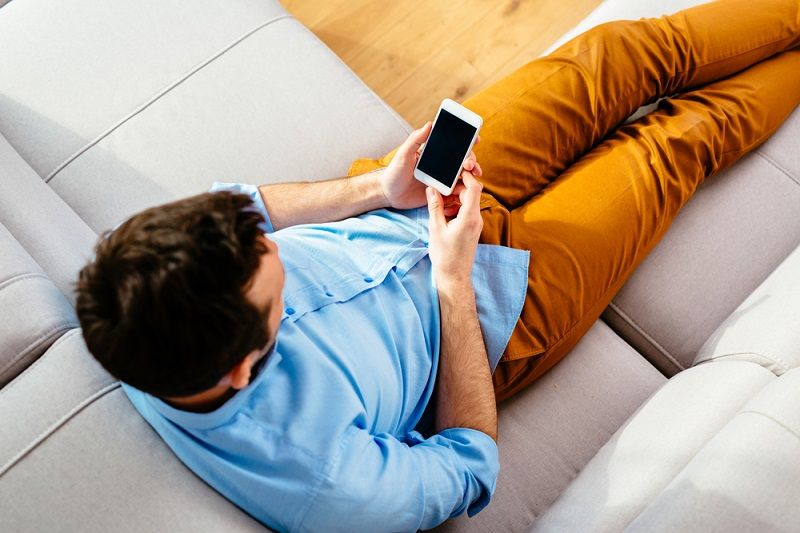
{"x":414,"y":53}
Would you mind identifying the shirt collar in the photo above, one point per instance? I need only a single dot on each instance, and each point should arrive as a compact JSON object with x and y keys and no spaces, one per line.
{"x":221,"y":414}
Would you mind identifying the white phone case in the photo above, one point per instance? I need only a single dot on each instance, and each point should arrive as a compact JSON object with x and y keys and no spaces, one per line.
{"x":467,"y":116}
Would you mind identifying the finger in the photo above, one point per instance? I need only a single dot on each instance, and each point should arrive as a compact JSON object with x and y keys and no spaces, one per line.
{"x":477,"y":140}
{"x":471,"y":162}
{"x":457,"y":190}
{"x":435,"y":208}
{"x":477,"y":171}
{"x":471,"y":198}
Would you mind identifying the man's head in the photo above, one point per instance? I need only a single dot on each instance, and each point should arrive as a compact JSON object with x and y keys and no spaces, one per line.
{"x":182,"y":298}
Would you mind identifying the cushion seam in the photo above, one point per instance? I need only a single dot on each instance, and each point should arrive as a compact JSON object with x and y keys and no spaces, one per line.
{"x":159,"y":95}
{"x":792,"y":432}
{"x":33,"y":365}
{"x":617,"y":309}
{"x":779,"y":167}
{"x":41,"y":340}
{"x":58,"y":423}
{"x":777,"y":361}
{"x":21,"y":277}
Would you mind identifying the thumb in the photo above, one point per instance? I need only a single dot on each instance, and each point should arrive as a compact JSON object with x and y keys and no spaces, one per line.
{"x":422,"y":133}
{"x":415,"y":140}
{"x":435,"y":207}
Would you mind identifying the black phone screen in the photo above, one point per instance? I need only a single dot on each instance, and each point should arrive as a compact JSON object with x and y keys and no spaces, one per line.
{"x":446,"y":147}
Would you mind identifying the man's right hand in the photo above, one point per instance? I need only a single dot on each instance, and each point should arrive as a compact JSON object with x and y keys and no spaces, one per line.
{"x":453,"y":243}
{"x":465,"y":397}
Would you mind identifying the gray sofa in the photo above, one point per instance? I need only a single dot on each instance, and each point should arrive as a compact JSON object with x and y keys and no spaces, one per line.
{"x":679,"y":410}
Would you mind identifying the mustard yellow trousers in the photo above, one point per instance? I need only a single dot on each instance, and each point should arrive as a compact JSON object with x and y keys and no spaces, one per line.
{"x":590,"y":196}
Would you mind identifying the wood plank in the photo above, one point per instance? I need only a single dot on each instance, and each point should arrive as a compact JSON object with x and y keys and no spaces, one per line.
{"x":356,"y":25}
{"x":414,"y":53}
{"x":312,"y":13}
{"x":504,"y":42}
{"x":432,"y":25}
{"x":556,"y":20}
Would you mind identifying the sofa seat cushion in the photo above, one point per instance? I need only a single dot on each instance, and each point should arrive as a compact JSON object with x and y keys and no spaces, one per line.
{"x":765,"y":328}
{"x":551,"y":430}
{"x":736,"y":229}
{"x":672,"y":429}
{"x":34,"y":313}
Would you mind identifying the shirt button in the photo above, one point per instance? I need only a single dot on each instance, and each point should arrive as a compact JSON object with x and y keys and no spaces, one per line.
{"x":289,"y":311}
{"x":368,"y":279}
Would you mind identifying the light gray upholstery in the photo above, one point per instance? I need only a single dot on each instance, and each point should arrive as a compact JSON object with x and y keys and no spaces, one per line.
{"x":117,"y":106}
{"x":34,"y":313}
{"x":549,"y":432}
{"x":716,"y":449}
{"x":76,"y":456}
{"x":81,"y":66}
{"x":55,"y":237}
{"x":653,"y":446}
{"x":765,"y":328}
{"x":746,"y":478}
{"x":299,"y":129}
{"x":193,"y":102}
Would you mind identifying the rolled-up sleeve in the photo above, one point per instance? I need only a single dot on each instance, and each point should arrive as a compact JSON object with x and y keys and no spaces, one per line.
{"x":254,"y":194}
{"x":380,"y":483}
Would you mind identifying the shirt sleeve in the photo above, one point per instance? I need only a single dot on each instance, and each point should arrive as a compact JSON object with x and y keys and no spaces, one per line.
{"x":380,"y":483}
{"x":253,"y":193}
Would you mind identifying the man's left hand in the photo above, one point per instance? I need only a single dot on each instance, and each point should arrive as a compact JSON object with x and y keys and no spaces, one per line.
{"x":402,"y":190}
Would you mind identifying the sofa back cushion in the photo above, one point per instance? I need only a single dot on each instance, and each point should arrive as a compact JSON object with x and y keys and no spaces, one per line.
{"x":176,"y":99}
{"x":109,"y":60}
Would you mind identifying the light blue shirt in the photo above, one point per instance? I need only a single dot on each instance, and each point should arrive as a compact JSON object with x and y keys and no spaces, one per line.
{"x":329,"y":435}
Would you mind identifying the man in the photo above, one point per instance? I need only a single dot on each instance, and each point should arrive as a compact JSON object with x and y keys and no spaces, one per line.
{"x":336,"y":373}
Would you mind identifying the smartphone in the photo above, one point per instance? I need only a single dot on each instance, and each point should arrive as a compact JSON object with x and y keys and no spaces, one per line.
{"x":454,"y":131}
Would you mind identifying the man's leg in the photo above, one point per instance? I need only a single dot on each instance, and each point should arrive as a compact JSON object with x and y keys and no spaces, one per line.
{"x":590,"y":228}
{"x":541,"y":118}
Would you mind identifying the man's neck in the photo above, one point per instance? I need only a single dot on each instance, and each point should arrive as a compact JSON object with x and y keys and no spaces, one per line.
{"x":202,"y":402}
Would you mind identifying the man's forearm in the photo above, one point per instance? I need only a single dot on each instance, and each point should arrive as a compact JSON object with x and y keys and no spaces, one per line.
{"x":465,"y":395}
{"x":322,"y":201}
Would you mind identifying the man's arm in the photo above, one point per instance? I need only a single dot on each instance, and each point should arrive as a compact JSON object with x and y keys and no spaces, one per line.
{"x":465,"y":395}
{"x":289,"y":204}
{"x":328,"y":201}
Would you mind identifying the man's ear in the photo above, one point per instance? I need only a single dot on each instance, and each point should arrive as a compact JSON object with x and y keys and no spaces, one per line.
{"x":239,"y":375}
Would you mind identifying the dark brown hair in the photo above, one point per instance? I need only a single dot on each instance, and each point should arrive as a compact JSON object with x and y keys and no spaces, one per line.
{"x":162,"y":304}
